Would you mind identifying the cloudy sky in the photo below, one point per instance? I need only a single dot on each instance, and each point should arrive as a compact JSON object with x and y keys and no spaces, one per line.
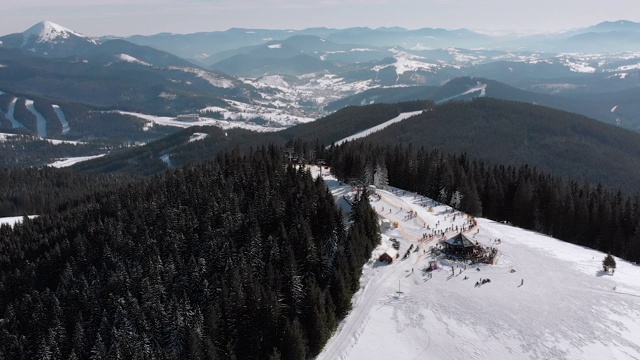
{"x":127,"y":17}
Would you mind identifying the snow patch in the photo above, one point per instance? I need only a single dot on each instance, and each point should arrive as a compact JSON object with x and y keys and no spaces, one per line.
{"x":167,"y":96}
{"x":197,"y":136}
{"x":12,"y":220}
{"x":275,"y":46}
{"x":223,"y":124}
{"x":65,"y":162}
{"x":5,"y":136}
{"x":629,"y":67}
{"x":213,"y":78}
{"x":131,"y":59}
{"x":63,"y":119}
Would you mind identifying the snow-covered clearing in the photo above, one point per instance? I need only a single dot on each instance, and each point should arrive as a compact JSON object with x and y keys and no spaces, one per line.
{"x":482,"y":88}
{"x":566,"y":307}
{"x":131,"y":59}
{"x":5,"y":136}
{"x":223,"y":124}
{"x":379,"y":127}
{"x":212,"y":78}
{"x":73,"y":160}
{"x":41,"y":121}
{"x":12,"y":220}
{"x":62,"y":118}
{"x":197,"y":136}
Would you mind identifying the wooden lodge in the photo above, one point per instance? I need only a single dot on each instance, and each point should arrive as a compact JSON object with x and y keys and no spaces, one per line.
{"x":389,"y":255}
{"x":460,"y":246}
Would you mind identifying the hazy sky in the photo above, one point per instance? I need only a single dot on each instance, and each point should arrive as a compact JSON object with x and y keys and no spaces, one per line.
{"x":127,"y":17}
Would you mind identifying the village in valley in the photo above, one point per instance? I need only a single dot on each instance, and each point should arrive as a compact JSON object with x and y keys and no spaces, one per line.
{"x":445,"y":285}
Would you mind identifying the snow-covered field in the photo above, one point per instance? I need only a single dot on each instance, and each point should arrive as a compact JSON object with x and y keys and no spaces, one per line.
{"x":232,"y":121}
{"x":73,"y":160}
{"x":566,"y":307}
{"x":12,"y":220}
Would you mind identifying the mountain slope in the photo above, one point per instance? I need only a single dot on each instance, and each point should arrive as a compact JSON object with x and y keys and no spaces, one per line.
{"x":545,"y":298}
{"x":596,"y":106}
{"x":50,"y":40}
{"x":503,"y":132}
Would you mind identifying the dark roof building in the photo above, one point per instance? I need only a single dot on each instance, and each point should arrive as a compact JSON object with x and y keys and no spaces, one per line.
{"x":459,"y":245}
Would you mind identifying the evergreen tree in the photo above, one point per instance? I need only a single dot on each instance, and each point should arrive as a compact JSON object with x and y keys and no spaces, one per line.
{"x":609,"y":263}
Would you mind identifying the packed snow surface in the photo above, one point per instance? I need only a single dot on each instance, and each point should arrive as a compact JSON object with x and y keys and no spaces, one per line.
{"x":197,"y":136}
{"x":15,"y":124}
{"x":73,"y":160}
{"x":41,"y":122}
{"x":546,"y":299}
{"x":5,"y":136}
{"x":376,"y":128}
{"x":12,"y":220}
{"x":131,"y":59}
{"x":63,"y":119}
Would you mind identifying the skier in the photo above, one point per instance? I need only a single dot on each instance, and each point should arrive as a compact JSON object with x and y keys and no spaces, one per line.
{"x":522,"y":282}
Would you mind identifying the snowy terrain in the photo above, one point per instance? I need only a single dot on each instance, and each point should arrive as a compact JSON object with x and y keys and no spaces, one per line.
{"x":14,"y":123}
{"x":566,"y":307}
{"x":62,"y":118}
{"x":131,"y":59}
{"x":72,"y":161}
{"x":370,"y":131}
{"x":224,"y":124}
{"x":12,"y":220}
{"x":41,"y":122}
{"x":47,"y":31}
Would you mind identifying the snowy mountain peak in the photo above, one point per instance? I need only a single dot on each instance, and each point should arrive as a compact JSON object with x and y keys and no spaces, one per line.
{"x":47,"y":31}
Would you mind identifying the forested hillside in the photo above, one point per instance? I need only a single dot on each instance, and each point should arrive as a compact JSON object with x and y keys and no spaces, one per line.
{"x":240,"y":258}
{"x":512,"y":133}
{"x":43,"y":191}
{"x":592,"y":216}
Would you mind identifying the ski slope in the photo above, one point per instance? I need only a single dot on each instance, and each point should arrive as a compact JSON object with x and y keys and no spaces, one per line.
{"x":15,"y":124}
{"x":73,"y":160}
{"x":379,"y":127}
{"x":41,"y":122}
{"x":63,"y":119}
{"x":566,"y":308}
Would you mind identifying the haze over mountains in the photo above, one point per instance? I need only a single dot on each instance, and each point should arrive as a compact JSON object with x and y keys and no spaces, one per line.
{"x":128,"y":90}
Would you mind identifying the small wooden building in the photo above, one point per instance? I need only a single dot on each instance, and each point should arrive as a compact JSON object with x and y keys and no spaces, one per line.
{"x":389,"y":255}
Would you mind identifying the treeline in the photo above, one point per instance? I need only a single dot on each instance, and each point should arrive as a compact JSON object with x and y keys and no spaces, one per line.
{"x":40,"y":191}
{"x":238,"y":258}
{"x":575,"y":212}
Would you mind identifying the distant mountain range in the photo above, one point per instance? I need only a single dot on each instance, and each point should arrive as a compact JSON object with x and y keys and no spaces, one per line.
{"x":131,"y":90}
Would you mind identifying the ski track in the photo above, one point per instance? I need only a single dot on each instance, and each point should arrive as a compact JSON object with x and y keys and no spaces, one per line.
{"x":12,"y":107}
{"x":379,"y":127}
{"x":63,"y":119}
{"x":41,"y":124}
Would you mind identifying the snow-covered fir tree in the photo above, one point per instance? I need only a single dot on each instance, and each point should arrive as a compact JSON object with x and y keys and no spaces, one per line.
{"x":381,"y":177}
